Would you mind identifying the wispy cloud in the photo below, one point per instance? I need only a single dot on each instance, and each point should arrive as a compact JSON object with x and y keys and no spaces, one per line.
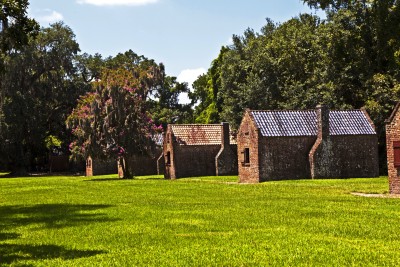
{"x":117,"y":2}
{"x":46,"y":16}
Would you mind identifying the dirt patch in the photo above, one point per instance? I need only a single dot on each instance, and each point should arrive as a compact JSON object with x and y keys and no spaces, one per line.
{"x":375,"y":195}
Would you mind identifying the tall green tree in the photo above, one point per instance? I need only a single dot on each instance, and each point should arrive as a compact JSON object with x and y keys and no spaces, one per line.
{"x":40,"y":87}
{"x":15,"y":26}
{"x":164,"y":103}
{"x":206,"y":95}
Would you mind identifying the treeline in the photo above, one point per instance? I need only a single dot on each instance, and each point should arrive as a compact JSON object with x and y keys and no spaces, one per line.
{"x":45,"y":78}
{"x":350,"y":59}
{"x":54,"y":99}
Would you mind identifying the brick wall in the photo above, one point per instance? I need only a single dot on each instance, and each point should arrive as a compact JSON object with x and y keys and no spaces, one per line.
{"x":59,"y":163}
{"x":182,"y":160}
{"x":300,"y":157}
{"x":226,"y":159}
{"x":192,"y":161}
{"x":342,"y":156}
{"x":247,"y":138}
{"x":346,"y":157}
{"x":392,"y":136}
{"x":100,"y":167}
{"x":285,"y":158}
{"x":140,"y":165}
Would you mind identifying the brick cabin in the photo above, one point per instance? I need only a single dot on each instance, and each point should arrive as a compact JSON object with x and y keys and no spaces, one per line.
{"x":100,"y":167}
{"x":149,"y":164}
{"x":199,"y":150}
{"x":393,"y":150}
{"x":278,"y":145}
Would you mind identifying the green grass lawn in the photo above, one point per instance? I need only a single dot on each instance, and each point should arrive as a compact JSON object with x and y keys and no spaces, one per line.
{"x":208,"y":221}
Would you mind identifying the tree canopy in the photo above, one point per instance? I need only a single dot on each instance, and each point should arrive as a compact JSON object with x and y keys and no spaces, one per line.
{"x":348,"y":60}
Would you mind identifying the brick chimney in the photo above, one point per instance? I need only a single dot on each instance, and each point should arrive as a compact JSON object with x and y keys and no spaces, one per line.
{"x":322,"y":121}
{"x":226,"y":159}
{"x":225,"y":135}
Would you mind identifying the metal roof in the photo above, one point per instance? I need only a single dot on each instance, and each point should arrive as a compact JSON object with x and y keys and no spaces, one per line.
{"x":304,"y":123}
{"x":198,"y":134}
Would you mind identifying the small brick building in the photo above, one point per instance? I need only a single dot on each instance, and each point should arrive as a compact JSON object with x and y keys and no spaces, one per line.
{"x":148,"y":164}
{"x":277,"y":145}
{"x":199,"y":150}
{"x":393,"y":150}
{"x":100,"y":167}
{"x":140,"y":165}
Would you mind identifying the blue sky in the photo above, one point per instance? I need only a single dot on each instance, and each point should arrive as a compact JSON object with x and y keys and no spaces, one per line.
{"x":185,"y":35}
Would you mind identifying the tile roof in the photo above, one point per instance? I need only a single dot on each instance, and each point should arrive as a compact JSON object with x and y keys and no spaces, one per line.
{"x":198,"y":134}
{"x":304,"y":123}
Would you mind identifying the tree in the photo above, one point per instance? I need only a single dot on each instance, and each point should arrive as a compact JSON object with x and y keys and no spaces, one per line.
{"x":112,"y":121}
{"x":164,"y":104}
{"x":348,"y":60}
{"x":40,"y":87}
{"x":206,"y":92}
{"x":15,"y":26}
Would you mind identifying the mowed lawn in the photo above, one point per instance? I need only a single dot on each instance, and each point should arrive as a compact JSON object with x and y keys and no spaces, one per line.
{"x":206,"y":221}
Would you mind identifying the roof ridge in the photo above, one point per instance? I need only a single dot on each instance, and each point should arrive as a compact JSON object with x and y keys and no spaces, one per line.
{"x":281,"y":110}
{"x":344,"y":110}
{"x":196,"y":124}
{"x":300,"y":110}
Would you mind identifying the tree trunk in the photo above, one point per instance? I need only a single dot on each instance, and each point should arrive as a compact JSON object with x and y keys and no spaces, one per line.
{"x":125,"y":170}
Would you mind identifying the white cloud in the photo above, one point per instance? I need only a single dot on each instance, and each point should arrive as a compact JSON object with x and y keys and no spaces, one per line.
{"x":229,"y":41}
{"x":117,"y":2}
{"x":47,"y":16}
{"x":189,"y":76}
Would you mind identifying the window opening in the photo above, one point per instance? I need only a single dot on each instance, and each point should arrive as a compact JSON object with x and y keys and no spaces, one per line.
{"x":168,"y":158}
{"x":246,"y":153}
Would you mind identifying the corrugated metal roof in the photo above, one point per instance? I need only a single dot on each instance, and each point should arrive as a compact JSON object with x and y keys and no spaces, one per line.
{"x":286,"y":123}
{"x":349,"y":122}
{"x":198,"y":134}
{"x":304,"y":123}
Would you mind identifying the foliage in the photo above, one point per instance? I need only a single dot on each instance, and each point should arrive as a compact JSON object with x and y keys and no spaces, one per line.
{"x":206,"y":96}
{"x":112,"y":121}
{"x":106,"y":221}
{"x":348,"y":60}
{"x":40,"y":87}
{"x":52,"y":141}
{"x":164,"y":103}
{"x":15,"y":26}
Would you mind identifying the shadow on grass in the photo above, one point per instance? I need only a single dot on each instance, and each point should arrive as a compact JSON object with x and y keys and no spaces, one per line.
{"x":8,"y":236}
{"x":139,"y":178}
{"x":46,"y":216}
{"x":12,"y":253}
{"x":51,"y":215}
{"x":40,"y":174}
{"x":106,"y":179}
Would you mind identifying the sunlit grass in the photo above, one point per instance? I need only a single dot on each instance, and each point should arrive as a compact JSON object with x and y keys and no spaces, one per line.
{"x":202,"y":221}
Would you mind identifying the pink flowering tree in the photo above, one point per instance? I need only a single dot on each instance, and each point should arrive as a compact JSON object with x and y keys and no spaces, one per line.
{"x":112,"y":122}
